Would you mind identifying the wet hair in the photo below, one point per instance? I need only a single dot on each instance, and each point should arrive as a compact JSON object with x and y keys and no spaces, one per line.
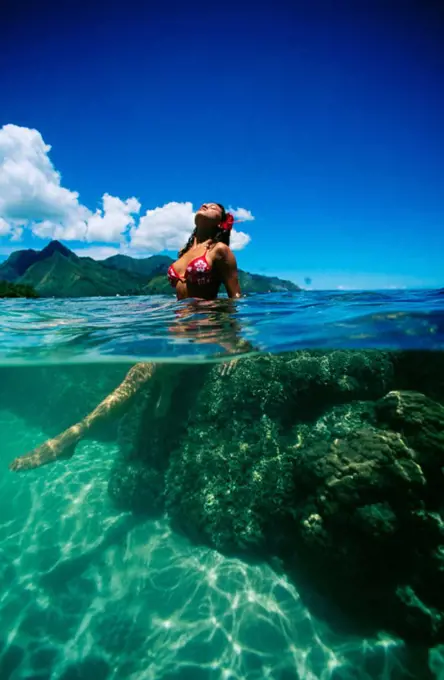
{"x":221,"y":235}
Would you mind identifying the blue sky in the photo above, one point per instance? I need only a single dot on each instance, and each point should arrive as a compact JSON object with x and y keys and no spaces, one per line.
{"x":325,"y":124}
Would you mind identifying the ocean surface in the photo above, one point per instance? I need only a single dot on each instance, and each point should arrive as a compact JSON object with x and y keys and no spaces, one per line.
{"x":159,"y":328}
{"x":90,"y":590}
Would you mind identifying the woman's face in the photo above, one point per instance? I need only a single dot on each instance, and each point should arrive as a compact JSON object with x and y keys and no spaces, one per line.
{"x":211,"y":211}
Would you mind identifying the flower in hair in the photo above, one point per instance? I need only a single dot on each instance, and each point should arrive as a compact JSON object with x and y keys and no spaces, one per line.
{"x":227,"y":224}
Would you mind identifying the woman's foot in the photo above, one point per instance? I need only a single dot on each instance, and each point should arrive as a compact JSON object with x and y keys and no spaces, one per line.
{"x":62,"y":446}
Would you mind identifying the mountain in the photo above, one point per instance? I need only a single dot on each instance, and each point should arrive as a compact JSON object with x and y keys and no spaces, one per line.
{"x":60,"y":276}
{"x":258,"y":283}
{"x":19,"y":262}
{"x":145,"y":266}
{"x":56,"y":271}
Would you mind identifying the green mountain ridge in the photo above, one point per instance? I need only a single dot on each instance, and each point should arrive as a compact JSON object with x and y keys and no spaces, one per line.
{"x":55,"y":271}
{"x":59,"y":276}
{"x":145,"y":266}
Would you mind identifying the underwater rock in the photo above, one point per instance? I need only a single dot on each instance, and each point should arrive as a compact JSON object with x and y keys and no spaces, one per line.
{"x":421,"y":422}
{"x":224,"y":486}
{"x":152,"y":428}
{"x":295,"y":386}
{"x":349,"y":515}
{"x":337,"y":422}
{"x":290,"y":458}
{"x":230,"y":479}
{"x":370,"y":532}
{"x":157,"y":419}
{"x":133,"y":486}
{"x":322,"y":379}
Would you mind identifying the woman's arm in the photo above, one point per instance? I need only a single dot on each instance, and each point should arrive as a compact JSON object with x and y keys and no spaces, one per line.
{"x":227,"y":267}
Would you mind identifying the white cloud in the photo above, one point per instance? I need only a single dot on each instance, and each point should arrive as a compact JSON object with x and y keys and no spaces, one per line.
{"x":30,"y":188}
{"x":239,"y":240}
{"x":75,"y":231}
{"x":165,"y":228}
{"x":111,"y":223}
{"x":242,"y":214}
{"x":32,"y":197}
{"x":4,"y":227}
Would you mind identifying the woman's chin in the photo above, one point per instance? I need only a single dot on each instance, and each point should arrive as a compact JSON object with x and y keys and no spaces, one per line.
{"x":203,"y":222}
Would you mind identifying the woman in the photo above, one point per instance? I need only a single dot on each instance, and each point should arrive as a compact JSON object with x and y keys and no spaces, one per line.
{"x":207,"y":260}
{"x":202,"y":266}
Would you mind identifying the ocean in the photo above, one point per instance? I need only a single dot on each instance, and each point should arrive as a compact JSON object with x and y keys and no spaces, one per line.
{"x":261,"y":498}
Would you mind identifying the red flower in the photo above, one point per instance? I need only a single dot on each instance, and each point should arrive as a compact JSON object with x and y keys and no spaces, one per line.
{"x":227,"y":224}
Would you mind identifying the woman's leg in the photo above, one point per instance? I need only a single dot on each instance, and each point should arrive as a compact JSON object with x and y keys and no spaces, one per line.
{"x":64,"y":444}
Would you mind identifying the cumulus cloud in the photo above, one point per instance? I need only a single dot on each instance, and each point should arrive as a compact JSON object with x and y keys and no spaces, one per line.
{"x":4,"y":227}
{"x":241,"y":214}
{"x":239,"y":240}
{"x":164,"y":228}
{"x":111,"y":223}
{"x":30,"y":187}
{"x":32,"y":197}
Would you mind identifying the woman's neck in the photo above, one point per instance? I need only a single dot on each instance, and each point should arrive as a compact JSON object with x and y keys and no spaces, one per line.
{"x":202,"y":237}
{"x":197,"y":243}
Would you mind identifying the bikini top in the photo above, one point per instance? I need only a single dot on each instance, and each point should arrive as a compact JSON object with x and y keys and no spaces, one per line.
{"x":198,"y":271}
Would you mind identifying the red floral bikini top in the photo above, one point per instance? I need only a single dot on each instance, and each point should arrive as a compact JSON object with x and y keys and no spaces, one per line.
{"x":198,"y":271}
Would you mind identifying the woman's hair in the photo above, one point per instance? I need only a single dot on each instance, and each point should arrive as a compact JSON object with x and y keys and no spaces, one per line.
{"x":221,"y":235}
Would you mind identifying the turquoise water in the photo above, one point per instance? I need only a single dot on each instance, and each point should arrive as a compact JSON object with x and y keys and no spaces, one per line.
{"x":96,"y":587}
{"x":110,"y":329}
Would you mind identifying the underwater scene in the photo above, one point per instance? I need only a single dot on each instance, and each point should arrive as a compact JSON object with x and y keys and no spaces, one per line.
{"x":226,"y":490}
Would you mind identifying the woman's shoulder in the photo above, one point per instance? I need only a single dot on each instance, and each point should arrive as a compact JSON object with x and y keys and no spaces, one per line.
{"x":222,"y":251}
